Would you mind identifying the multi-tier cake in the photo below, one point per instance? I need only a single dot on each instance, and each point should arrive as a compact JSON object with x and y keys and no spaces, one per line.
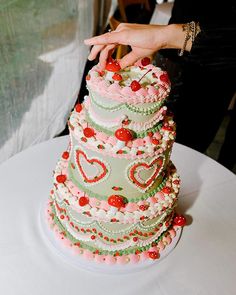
{"x":115,"y":188}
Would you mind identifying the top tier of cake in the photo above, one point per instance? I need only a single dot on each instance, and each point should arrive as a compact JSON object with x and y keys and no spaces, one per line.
{"x":135,"y":95}
{"x":151,"y":84}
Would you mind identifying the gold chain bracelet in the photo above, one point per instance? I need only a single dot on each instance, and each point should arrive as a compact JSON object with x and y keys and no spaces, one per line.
{"x":192,"y":29}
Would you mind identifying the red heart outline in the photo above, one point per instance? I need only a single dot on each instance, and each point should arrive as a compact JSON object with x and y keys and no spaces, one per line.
{"x":90,"y":161}
{"x":159,"y":164}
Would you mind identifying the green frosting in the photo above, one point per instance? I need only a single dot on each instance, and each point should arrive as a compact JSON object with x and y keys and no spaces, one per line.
{"x":85,"y":245}
{"x":104,"y":197}
{"x":141,"y":134}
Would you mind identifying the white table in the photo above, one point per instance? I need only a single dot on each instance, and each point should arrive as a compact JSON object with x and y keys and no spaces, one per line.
{"x":202,"y":263}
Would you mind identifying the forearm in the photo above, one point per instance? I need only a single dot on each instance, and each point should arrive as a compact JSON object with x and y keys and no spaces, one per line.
{"x":174,"y":37}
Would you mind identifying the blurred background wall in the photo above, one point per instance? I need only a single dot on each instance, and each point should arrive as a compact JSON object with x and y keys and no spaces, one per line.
{"x":42,"y":60}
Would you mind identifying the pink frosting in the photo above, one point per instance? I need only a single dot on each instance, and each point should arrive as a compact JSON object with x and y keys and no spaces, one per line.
{"x":152,"y":90}
{"x":148,"y":140}
{"x":161,"y":246}
{"x":115,"y":87}
{"x":172,"y":233}
{"x":134,"y":258}
{"x":160,"y":196}
{"x":153,"y":249}
{"x":104,"y":205}
{"x":109,"y":259}
{"x":101,"y":136}
{"x":93,"y":202}
{"x":121,"y":259}
{"x":112,"y":140}
{"x":144,"y":255}
{"x":167,"y":240}
{"x":152,"y":200}
{"x":88,"y":255}
{"x":138,"y":142}
{"x":99,"y":258}
{"x":157,"y":135}
{"x":66,"y":242}
{"x":127,"y":91}
{"x":131,"y":207}
{"x":141,"y":92}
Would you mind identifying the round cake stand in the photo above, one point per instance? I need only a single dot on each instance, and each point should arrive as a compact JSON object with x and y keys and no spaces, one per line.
{"x":78,"y":261}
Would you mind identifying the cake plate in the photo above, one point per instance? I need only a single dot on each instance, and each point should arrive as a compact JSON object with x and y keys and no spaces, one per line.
{"x":78,"y":261}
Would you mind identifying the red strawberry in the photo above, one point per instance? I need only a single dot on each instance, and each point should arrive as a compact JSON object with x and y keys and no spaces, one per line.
{"x":123,"y":134}
{"x":180,"y":220}
{"x":87,"y":77}
{"x":153,"y":254}
{"x":116,"y":201}
{"x":145,"y":61}
{"x":135,"y":85}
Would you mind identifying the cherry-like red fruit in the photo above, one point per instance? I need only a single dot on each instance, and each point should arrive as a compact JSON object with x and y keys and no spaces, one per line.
{"x":164,"y":78}
{"x":135,"y":85}
{"x":78,"y":108}
{"x":155,"y":141}
{"x":65,"y":155}
{"x":61,"y":178}
{"x":166,"y":190}
{"x":88,"y":132}
{"x":145,"y":61}
{"x":83,"y":201}
{"x":180,"y":220}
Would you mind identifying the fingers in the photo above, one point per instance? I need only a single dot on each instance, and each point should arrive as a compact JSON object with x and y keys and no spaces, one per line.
{"x":128,"y":59}
{"x":104,"y":55}
{"x":107,"y":38}
{"x":94,"y":51}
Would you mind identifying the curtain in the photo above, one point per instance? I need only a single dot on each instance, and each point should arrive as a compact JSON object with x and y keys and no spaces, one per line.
{"x":42,"y":59}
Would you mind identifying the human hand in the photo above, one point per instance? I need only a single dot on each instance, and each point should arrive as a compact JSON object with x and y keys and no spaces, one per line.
{"x":144,"y":40}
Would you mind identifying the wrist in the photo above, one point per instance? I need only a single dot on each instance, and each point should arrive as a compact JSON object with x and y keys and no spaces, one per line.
{"x":175,"y":36}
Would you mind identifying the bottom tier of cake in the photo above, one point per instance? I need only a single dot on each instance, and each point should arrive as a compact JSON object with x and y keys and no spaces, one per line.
{"x":113,"y":237}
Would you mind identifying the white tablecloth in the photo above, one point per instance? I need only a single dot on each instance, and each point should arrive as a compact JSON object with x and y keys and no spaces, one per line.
{"x":203,"y":262}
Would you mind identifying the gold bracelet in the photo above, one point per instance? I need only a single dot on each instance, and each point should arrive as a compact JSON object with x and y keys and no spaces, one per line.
{"x":192,"y":29}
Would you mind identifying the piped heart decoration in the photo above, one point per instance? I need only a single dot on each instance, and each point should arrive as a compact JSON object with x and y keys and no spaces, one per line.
{"x":92,"y":170}
{"x":143,"y":175}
